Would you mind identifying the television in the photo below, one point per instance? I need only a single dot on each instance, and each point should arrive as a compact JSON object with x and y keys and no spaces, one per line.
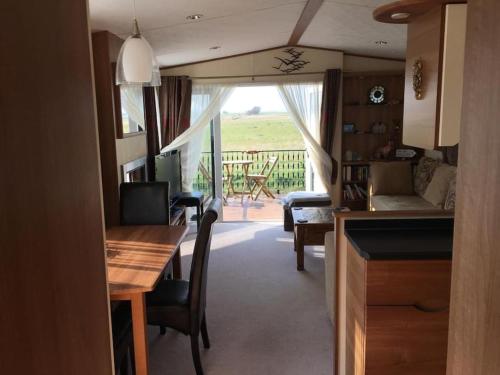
{"x":168,"y":168}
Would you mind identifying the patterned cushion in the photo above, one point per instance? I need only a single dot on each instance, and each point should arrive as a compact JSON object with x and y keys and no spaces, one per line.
{"x":449,"y":203}
{"x":423,"y":174}
{"x":440,"y":184}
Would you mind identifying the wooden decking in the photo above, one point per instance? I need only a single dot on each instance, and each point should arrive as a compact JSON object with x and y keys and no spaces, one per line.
{"x":263,"y":209}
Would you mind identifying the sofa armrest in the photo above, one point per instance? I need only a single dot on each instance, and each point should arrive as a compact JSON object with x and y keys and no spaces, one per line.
{"x":369,"y":194}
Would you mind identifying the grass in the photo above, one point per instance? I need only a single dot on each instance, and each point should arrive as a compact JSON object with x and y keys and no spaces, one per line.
{"x":267,"y":131}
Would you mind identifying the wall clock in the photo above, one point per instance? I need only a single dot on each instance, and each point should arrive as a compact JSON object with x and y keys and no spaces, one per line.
{"x":377,"y":95}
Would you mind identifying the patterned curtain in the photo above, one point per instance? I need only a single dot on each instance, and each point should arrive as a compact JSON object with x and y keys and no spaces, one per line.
{"x":175,"y":107}
{"x":329,"y":110}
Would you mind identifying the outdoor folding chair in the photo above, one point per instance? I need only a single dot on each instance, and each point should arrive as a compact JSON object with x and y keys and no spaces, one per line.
{"x":260,"y":180}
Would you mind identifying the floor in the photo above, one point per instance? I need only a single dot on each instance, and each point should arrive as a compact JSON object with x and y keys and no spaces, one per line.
{"x":264,"y":317}
{"x":262,"y":209}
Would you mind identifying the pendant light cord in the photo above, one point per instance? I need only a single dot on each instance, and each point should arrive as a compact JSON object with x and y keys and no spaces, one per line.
{"x":136,"y":32}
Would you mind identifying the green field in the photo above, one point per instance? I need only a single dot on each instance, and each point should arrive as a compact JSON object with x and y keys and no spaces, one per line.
{"x":268,"y":131}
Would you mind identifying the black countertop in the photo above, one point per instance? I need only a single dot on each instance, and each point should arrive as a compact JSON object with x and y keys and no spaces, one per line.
{"x":401,"y":239}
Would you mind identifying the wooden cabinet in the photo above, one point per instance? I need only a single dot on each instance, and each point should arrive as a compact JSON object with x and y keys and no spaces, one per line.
{"x":397,"y":315}
{"x":359,"y":146}
{"x":437,"y":38}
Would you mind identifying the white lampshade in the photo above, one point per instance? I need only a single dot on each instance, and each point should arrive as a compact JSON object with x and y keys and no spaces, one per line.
{"x":136,"y":63}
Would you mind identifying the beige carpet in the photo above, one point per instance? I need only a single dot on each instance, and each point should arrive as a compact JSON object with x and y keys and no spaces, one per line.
{"x":264,"y":317}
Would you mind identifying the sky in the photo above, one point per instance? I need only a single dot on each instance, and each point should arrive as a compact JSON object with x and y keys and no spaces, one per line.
{"x":245,"y":98}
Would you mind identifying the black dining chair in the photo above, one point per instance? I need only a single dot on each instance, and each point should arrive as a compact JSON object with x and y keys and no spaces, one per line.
{"x":144,"y":203}
{"x":123,"y":343}
{"x":180,"y":304}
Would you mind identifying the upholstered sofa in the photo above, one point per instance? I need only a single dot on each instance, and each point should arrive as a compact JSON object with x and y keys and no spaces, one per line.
{"x":398,"y":186}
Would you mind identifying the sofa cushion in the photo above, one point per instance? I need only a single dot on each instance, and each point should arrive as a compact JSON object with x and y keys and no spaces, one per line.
{"x":449,"y":203}
{"x":423,"y":174}
{"x":399,"y":203}
{"x":391,"y":178}
{"x":298,"y":197}
{"x":438,"y":187}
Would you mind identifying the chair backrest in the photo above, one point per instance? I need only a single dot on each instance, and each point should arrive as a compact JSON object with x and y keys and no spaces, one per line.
{"x":204,"y":172}
{"x":199,"y":263}
{"x":144,"y":203}
{"x":269,"y":165}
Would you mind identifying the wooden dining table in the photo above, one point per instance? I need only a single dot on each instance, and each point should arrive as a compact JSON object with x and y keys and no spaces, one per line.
{"x":136,"y":260}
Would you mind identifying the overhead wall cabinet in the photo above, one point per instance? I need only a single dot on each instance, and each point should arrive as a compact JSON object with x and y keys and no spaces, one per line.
{"x":436,"y":40}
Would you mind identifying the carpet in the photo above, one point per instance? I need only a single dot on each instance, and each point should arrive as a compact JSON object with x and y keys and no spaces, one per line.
{"x":264,"y":317}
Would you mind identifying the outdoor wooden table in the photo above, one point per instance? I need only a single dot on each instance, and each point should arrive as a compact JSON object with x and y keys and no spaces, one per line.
{"x":136,"y":259}
{"x":229,"y":166}
{"x":310,"y":226}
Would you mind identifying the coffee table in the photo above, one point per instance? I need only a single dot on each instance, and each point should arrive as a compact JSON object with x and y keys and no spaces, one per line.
{"x":310,"y":225}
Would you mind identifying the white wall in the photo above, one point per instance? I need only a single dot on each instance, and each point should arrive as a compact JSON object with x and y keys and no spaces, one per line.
{"x":259,"y":66}
{"x":128,"y":149}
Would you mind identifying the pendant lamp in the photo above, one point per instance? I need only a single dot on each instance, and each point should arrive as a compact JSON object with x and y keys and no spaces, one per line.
{"x":136,"y":63}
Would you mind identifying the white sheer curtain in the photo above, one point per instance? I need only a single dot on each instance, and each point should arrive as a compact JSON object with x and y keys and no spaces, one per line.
{"x":206,"y":102}
{"x":303,"y":102}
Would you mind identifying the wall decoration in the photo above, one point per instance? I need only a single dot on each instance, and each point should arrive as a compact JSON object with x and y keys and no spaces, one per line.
{"x":405,"y":153}
{"x":377,"y":95}
{"x":291,"y":64}
{"x":418,"y":67}
{"x":349,"y":127}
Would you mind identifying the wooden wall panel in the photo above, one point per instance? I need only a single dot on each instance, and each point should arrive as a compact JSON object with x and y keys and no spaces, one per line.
{"x":53,"y":289}
{"x":475,"y":297}
{"x":424,"y":41}
{"x":104,"y":51}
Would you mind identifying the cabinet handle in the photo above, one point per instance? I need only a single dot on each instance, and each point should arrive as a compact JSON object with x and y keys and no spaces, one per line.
{"x":430,"y":309}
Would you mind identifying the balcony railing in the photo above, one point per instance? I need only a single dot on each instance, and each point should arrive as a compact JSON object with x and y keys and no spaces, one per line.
{"x":288,"y":174}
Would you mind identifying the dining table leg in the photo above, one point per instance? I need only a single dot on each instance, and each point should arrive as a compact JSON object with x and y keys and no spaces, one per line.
{"x":139,"y":326}
{"x":176,"y":265}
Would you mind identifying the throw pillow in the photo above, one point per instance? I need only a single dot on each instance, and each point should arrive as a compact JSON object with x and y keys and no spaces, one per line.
{"x":391,"y":178}
{"x":449,"y":203}
{"x":438,"y":187}
{"x":423,"y":174}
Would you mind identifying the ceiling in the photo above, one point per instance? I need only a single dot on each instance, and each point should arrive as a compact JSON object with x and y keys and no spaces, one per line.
{"x":240,"y":26}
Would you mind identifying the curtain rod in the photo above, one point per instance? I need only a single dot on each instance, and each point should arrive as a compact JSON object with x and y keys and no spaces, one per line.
{"x":259,"y":75}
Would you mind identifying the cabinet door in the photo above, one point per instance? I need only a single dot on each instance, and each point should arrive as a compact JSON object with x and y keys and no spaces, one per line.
{"x":438,"y":39}
{"x":424,"y":42}
{"x":405,"y":340}
{"x":452,"y":78}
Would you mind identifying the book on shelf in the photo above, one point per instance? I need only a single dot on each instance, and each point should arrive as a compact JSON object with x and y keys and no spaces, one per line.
{"x":355,"y":173}
{"x":354,"y":192}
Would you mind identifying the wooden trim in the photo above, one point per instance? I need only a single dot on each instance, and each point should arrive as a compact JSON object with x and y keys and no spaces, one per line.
{"x":440,"y":77}
{"x":393,"y":214}
{"x":305,"y":19}
{"x":414,"y":7}
{"x":262,"y":75}
{"x":374,"y":57}
{"x":385,"y":73}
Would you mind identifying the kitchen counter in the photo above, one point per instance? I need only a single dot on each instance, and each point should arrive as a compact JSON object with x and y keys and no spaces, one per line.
{"x":396,"y":239}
